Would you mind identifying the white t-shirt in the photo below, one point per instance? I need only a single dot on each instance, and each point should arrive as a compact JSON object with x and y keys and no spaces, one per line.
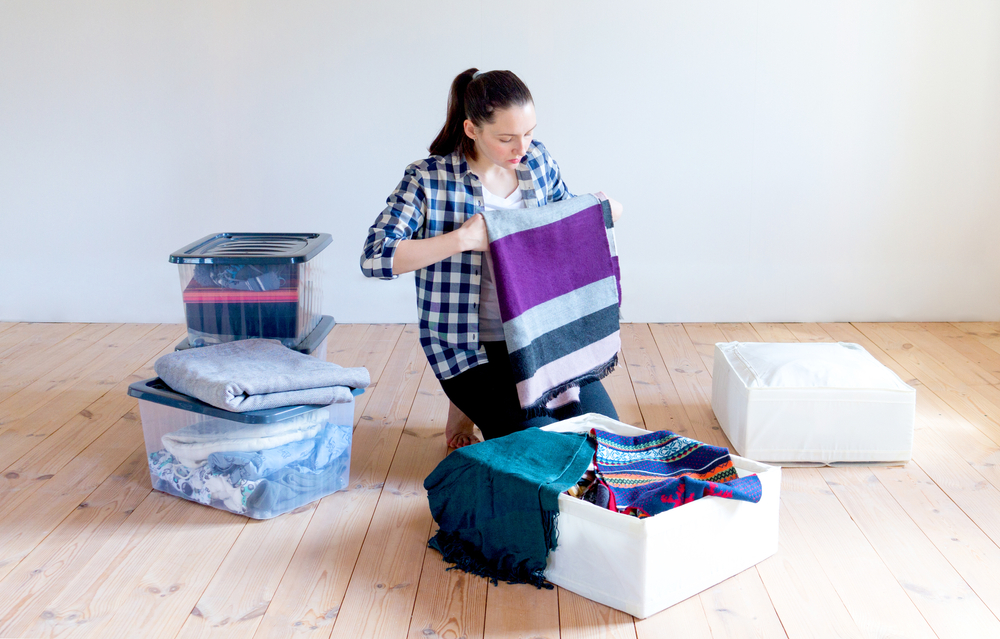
{"x":490,"y":324}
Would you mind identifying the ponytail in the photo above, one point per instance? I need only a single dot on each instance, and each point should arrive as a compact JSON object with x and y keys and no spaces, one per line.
{"x":453,"y":133}
{"x":476,"y":96}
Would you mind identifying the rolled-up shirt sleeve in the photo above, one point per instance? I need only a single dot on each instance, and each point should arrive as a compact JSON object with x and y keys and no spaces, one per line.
{"x":556,"y":189}
{"x":402,"y":219}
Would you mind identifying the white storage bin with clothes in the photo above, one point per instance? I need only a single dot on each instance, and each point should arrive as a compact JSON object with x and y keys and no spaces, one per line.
{"x":642,"y":566}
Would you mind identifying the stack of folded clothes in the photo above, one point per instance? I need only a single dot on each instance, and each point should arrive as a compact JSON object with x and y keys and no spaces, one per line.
{"x":227,"y":302}
{"x":250,"y":426}
{"x":237,"y":467}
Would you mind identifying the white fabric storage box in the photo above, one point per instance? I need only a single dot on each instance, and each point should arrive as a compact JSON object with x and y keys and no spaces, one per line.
{"x":821,"y":403}
{"x":260,"y":464}
{"x":641,"y":566}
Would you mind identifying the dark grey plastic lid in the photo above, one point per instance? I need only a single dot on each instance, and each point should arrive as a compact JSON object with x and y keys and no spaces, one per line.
{"x":156,"y":390}
{"x":306,"y":346}
{"x":252,"y":248}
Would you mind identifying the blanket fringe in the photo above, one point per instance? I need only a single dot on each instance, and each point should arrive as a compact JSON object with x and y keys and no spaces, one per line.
{"x":538,"y":409}
{"x":467,"y":557}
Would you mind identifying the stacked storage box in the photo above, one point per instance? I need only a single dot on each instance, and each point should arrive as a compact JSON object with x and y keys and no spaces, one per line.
{"x":314,"y":344}
{"x":242,"y":285}
{"x":259,"y":464}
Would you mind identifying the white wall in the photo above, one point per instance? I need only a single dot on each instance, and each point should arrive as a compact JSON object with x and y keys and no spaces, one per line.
{"x":778,"y":159}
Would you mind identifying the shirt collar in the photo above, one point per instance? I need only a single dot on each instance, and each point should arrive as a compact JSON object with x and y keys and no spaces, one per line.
{"x":522,"y":170}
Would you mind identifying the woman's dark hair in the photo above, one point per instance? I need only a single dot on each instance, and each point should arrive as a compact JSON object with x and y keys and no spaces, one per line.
{"x":477,"y":98}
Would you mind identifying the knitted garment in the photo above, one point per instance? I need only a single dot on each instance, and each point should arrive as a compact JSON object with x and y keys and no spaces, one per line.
{"x":651,"y":473}
{"x":496,"y":502}
{"x":557,"y":278}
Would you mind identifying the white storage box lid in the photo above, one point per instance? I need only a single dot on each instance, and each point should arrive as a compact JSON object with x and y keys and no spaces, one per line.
{"x":812,"y":365}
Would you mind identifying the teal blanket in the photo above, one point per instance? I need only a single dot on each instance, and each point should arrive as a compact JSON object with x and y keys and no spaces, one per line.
{"x":496,"y":502}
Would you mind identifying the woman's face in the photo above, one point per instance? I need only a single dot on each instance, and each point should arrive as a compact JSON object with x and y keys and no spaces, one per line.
{"x":505,"y":140}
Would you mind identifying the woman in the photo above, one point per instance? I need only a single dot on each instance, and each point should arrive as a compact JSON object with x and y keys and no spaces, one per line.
{"x":484,"y":158}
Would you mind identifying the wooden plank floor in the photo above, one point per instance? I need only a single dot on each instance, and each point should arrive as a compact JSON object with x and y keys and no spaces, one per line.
{"x":87,"y":549}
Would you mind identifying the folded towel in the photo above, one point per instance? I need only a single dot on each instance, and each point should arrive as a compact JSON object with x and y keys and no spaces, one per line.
{"x":255,"y":374}
{"x":192,"y":445}
{"x":557,"y":276}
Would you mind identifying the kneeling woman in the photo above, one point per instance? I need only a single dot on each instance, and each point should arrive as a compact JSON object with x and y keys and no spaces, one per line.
{"x":483,"y":159}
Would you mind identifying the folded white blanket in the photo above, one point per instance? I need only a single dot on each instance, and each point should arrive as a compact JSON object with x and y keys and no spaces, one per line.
{"x":254,"y":374}
{"x":192,"y":445}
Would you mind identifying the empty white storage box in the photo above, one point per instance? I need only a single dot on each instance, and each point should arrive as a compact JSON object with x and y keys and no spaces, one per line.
{"x":811,"y":403}
{"x":641,"y":566}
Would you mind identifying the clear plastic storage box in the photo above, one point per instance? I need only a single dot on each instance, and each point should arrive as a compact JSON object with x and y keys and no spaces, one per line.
{"x":314,"y":344}
{"x":259,"y":464}
{"x":240,"y":285}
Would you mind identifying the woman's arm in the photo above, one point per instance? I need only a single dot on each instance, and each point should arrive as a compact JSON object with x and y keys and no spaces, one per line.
{"x":416,"y":254}
{"x":390,"y":250}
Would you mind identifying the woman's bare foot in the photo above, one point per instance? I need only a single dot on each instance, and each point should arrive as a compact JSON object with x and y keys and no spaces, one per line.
{"x":458,"y":430}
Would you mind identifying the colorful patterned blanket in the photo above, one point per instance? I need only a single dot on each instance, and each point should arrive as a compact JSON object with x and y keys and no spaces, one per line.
{"x":557,"y":276}
{"x":651,"y":473}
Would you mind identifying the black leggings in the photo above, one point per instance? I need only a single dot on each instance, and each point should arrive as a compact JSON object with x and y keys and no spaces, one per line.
{"x":487,"y":394}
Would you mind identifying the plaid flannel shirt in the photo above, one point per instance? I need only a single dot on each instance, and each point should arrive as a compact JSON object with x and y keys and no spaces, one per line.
{"x":436,"y":196}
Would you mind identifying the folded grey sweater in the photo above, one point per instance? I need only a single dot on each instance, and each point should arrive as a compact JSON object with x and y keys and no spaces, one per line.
{"x":254,"y":374}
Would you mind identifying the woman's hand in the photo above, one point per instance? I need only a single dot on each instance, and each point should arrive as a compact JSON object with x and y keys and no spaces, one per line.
{"x":473,"y":235}
{"x":616,"y":210}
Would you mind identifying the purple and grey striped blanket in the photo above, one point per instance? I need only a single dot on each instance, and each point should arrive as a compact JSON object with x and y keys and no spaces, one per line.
{"x":557,"y":277}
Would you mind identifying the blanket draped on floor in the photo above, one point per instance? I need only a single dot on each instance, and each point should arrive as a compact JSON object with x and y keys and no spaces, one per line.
{"x":496,"y":502}
{"x":254,"y":374}
{"x":557,"y":276}
{"x":651,"y":473}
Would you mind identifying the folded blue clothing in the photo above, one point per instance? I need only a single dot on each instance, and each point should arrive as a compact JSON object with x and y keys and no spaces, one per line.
{"x":192,"y":445}
{"x":305,"y":456}
{"x":239,"y":465}
{"x":331,"y":445}
{"x":288,"y":488}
